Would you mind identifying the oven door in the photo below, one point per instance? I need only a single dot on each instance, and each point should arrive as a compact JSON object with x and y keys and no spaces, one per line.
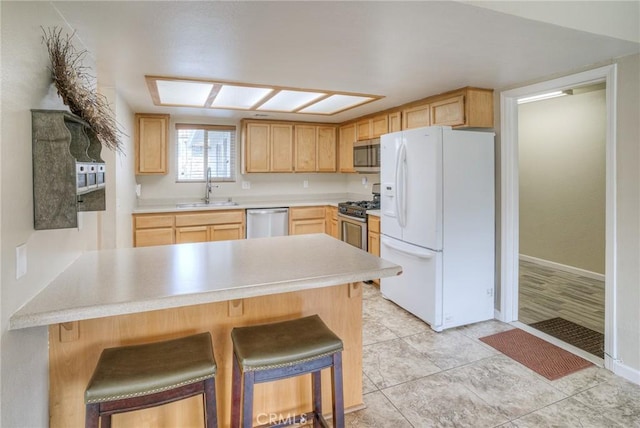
{"x":353,"y":231}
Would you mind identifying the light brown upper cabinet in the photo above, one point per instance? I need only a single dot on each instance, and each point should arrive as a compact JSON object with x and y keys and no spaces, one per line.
{"x":372,"y":127}
{"x":281,"y":147}
{"x":363,"y":129}
{"x":346,"y":140}
{"x":379,"y":125}
{"x":395,"y":123}
{"x":415,"y":117}
{"x":268,"y":147}
{"x":306,"y":141}
{"x":326,"y":149}
{"x":462,"y":108}
{"x":152,"y":143}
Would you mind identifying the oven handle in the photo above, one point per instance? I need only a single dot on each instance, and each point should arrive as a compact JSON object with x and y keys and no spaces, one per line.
{"x":347,"y":218}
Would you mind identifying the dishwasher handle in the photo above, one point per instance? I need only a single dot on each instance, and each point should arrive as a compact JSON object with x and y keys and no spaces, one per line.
{"x":268,"y":211}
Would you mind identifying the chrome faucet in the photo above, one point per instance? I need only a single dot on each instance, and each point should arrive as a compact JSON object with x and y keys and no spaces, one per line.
{"x":208,"y":188}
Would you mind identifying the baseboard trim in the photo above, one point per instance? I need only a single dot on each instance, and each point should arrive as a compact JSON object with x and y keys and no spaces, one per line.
{"x":629,"y":373}
{"x":564,"y":268}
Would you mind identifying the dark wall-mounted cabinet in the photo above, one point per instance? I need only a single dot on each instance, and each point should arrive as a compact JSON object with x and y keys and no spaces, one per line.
{"x":68,"y":171}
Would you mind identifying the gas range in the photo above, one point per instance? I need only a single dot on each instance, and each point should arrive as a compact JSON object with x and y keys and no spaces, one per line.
{"x":358,"y":209}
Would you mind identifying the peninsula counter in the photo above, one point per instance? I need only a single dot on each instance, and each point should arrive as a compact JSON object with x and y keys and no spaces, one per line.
{"x":126,"y":296}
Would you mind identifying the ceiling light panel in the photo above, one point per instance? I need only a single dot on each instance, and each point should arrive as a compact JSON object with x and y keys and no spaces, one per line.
{"x":183,"y":93}
{"x":289,"y":101}
{"x":336,"y":103}
{"x":239,"y":97}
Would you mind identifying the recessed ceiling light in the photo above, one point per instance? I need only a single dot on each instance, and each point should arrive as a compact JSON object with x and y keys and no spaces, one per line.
{"x":169,"y":91}
{"x":290,"y":100}
{"x":239,"y":97}
{"x":336,"y":103}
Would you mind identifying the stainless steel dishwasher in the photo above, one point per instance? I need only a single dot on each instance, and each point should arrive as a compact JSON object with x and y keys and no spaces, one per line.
{"x":264,"y":222}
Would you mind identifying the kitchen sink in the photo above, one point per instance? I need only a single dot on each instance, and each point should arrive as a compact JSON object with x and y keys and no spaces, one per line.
{"x":207,"y":204}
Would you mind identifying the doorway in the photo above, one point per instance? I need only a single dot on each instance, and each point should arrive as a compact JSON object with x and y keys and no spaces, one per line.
{"x":509,"y":210}
{"x":561,"y":171}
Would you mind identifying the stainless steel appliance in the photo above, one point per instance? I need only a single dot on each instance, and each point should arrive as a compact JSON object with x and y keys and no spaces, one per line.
{"x":265,"y":222}
{"x":352,"y":219}
{"x":366,"y":156}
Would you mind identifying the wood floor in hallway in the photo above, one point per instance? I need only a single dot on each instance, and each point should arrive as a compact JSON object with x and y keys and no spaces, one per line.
{"x":546,"y":293}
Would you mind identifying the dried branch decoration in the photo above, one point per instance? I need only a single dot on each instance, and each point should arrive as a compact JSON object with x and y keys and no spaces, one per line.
{"x":74,"y":85}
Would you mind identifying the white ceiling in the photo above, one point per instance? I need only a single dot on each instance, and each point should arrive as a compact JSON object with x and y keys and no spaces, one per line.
{"x":401,"y":50}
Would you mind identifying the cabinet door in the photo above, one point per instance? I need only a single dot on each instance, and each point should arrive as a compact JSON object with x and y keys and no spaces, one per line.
{"x":191,"y":234}
{"x":364,"y":129}
{"x":150,"y":237}
{"x":415,"y":117}
{"x":152,"y":134}
{"x":394,"y":122}
{"x":257,"y":147}
{"x":305,"y":148}
{"x":379,"y":126}
{"x":281,"y":148}
{"x":303,"y":227}
{"x":347,"y":138}
{"x":448,"y":112}
{"x":374,"y":243}
{"x":226,"y":232}
{"x":326,"y":149}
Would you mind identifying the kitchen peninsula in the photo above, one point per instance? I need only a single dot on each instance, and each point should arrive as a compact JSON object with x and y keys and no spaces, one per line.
{"x":125,"y":296}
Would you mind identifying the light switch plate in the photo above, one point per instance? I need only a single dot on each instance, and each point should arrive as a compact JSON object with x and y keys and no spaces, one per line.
{"x":305,"y":183}
{"x":21,"y":261}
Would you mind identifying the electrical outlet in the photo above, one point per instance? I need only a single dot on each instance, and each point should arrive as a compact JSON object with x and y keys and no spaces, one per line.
{"x":305,"y":183}
{"x":364,"y":181}
{"x":246,"y":185}
{"x":489,"y":292}
{"x":21,"y":261}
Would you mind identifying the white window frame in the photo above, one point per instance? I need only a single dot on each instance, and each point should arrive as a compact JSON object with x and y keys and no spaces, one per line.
{"x":205,"y":155}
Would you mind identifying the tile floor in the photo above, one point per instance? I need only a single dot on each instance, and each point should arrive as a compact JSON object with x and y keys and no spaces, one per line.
{"x":414,"y":377}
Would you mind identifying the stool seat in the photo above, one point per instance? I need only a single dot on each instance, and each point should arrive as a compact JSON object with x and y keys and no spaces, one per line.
{"x":138,"y":370}
{"x":270,"y":352}
{"x":283,"y":344}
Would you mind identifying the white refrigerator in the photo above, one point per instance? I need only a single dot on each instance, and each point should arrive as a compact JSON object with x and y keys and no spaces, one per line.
{"x":437,"y":222}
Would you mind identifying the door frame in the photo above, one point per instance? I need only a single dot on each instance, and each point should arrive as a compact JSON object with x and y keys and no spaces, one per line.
{"x":509,"y":210}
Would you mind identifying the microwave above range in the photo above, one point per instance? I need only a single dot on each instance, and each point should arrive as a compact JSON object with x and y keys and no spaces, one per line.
{"x":366,"y":156}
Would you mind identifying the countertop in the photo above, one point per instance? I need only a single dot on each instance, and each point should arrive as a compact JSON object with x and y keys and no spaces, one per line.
{"x":173,"y":207}
{"x":131,"y":280}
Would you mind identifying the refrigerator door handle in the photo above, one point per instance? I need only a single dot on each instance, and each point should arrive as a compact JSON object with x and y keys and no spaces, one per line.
{"x":400,"y":179}
{"x":421,"y":253}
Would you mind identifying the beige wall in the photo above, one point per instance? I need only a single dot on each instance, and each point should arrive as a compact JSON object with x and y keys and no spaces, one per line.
{"x":561,"y":145}
{"x":25,"y":86}
{"x":628,"y":212}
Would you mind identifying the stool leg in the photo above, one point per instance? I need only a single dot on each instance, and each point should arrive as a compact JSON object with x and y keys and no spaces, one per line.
{"x":105,"y":421}
{"x":236,"y":394}
{"x":92,"y":416}
{"x":211,"y":413}
{"x":247,"y":400}
{"x":316,"y":387}
{"x":337,"y":394}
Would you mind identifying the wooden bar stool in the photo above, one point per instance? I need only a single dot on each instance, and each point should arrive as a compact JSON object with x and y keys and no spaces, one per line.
{"x":136,"y":377}
{"x":269,"y":352}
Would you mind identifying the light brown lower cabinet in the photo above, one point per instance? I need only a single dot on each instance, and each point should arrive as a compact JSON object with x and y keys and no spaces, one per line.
{"x":193,"y":226}
{"x":373,"y":241}
{"x":331,"y":223}
{"x":305,"y":220}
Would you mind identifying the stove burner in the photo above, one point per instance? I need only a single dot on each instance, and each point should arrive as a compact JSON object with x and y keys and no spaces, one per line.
{"x":358,"y":208}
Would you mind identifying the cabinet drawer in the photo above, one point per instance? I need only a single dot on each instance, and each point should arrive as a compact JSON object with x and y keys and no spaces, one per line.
{"x":153,"y":221}
{"x":150,"y":237}
{"x":374,"y":224}
{"x":301,"y":213}
{"x":210,"y":217}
